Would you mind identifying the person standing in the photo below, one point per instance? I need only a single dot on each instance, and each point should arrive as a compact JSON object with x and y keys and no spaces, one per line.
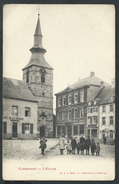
{"x":68,"y":147}
{"x":87,"y":144}
{"x":97,"y":149}
{"x":82,"y":143}
{"x":61,"y":144}
{"x":78,"y":147}
{"x":92,"y":146}
{"x":73,"y":144}
{"x":43,"y":145}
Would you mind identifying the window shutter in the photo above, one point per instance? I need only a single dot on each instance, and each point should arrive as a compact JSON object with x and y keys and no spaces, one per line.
{"x":31,"y":128}
{"x":72,"y":113}
{"x":72,"y":99}
{"x":78,"y":112}
{"x":66,"y":99}
{"x":61,"y":115}
{"x":5,"y":127}
{"x":78,"y":97}
{"x":23,"y":128}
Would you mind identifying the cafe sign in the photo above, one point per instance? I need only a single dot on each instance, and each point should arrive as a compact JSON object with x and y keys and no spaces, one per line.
{"x":15,"y":118}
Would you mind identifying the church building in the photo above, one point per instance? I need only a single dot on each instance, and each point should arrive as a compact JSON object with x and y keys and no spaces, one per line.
{"x":38,"y":75}
{"x":28,"y":104}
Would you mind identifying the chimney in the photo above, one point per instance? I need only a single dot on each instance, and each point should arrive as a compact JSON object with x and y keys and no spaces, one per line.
{"x":113,"y":83}
{"x":92,"y":74}
{"x":101,"y":84}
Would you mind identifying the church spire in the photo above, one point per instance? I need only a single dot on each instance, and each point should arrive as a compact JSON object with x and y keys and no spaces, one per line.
{"x":38,"y":39}
{"x":37,"y":57}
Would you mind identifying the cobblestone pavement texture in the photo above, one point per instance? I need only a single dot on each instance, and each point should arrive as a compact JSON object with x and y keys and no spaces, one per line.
{"x":29,"y":149}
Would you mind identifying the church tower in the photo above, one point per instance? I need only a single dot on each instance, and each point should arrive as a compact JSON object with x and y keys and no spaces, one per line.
{"x":38,"y":75}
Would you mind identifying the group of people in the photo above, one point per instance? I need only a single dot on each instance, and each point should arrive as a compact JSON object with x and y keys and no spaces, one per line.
{"x":80,"y":145}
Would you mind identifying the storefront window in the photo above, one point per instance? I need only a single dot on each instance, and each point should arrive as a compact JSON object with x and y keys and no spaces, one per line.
{"x":76,"y":130}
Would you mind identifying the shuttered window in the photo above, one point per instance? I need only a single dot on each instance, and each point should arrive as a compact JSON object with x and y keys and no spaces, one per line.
{"x":31,"y":128}
{"x":23,"y":128}
{"x":5,"y":127}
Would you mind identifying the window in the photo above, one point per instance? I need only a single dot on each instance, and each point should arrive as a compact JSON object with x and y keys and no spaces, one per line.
{"x":94,"y":133}
{"x":64,"y":130}
{"x":59,"y":116}
{"x":63,"y":114}
{"x":111,"y":134}
{"x":59,"y":102}
{"x":69,"y":114}
{"x":76,"y":98}
{"x":14,"y":110}
{"x":111,"y":120}
{"x":27,"y":76}
{"x":76,"y":130}
{"x":59,"y":130}
{"x":82,"y":97}
{"x":89,"y":103}
{"x":111,"y":108}
{"x":81,"y":129}
{"x":27,"y":112}
{"x":64,"y":101}
{"x":103,"y":121}
{"x":69,"y":99}
{"x":103,"y":108}
{"x":76,"y":113}
{"x":95,"y":119}
{"x":5,"y":127}
{"x":43,"y":78}
{"x":89,"y":120}
{"x":81,"y":112}
{"x":27,"y":128}
{"x":94,"y":102}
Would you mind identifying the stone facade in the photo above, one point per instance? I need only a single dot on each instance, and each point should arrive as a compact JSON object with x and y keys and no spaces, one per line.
{"x":38,"y":75}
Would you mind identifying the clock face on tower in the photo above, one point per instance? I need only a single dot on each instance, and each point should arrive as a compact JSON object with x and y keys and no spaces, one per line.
{"x":42,"y":71}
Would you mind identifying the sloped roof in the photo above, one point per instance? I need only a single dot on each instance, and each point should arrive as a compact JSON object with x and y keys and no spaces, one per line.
{"x":91,"y":80}
{"x":105,"y":95}
{"x":38,"y":27}
{"x":17,"y":89}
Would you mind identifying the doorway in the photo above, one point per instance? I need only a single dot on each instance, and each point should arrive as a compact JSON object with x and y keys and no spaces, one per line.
{"x":42,"y":131}
{"x":69,"y":130}
{"x":14,"y":130}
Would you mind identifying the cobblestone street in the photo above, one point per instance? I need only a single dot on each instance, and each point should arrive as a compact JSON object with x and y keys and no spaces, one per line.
{"x":19,"y":155}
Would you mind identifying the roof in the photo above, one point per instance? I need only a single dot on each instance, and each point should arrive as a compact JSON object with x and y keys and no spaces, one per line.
{"x":105,"y":95}
{"x":17,"y":89}
{"x":38,"y":27}
{"x":91,"y":80}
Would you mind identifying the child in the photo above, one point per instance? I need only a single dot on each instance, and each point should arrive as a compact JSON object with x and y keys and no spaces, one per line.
{"x":78,"y":147}
{"x":97,"y":149}
{"x":68,"y":147}
{"x":43,"y":145}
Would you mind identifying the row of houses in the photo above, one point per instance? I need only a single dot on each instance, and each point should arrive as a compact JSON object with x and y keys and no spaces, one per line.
{"x":87,"y":107}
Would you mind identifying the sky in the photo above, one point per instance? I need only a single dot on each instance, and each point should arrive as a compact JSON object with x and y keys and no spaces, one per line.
{"x":78,"y":39}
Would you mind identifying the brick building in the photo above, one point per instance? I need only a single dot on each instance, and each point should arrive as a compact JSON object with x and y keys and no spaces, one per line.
{"x":71,"y":106}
